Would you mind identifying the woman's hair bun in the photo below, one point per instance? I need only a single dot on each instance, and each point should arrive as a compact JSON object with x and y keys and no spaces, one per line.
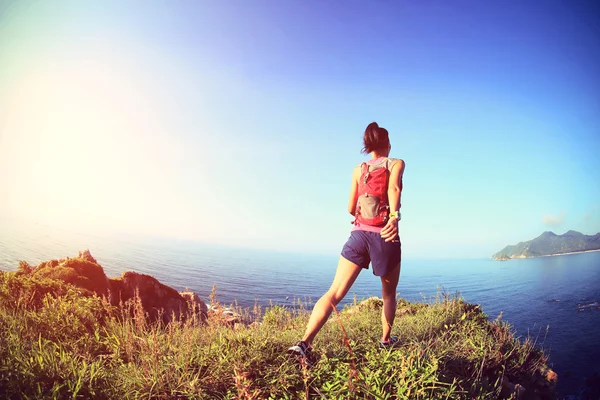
{"x":375,"y":138}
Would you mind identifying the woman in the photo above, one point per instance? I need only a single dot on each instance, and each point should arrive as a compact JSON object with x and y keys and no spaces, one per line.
{"x":373,"y":239}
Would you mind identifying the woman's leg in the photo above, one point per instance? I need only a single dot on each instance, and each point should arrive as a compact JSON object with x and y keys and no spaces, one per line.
{"x":345,"y":276}
{"x":389,"y":282}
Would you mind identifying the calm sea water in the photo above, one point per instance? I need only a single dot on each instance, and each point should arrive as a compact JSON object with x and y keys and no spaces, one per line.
{"x":539,"y":297}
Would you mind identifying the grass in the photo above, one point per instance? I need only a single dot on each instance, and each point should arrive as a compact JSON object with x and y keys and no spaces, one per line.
{"x":57,"y":343}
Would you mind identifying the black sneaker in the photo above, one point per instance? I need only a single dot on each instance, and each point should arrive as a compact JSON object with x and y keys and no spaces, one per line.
{"x":389,"y":344}
{"x":303,"y":351}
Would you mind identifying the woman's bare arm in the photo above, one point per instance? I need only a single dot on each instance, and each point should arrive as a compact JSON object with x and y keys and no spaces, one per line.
{"x":395,"y":185}
{"x":390,"y":231}
{"x":354,"y":191}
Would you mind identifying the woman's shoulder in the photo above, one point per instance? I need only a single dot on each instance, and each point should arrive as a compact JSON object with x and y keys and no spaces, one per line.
{"x":393,"y":161}
{"x":387,"y":161}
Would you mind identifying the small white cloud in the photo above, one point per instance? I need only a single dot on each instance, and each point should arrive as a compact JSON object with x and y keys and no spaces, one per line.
{"x":587,"y":217}
{"x":553,"y":220}
{"x":592,"y":217}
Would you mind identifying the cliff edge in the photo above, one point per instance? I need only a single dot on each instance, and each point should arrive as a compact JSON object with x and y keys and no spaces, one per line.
{"x":68,"y":331}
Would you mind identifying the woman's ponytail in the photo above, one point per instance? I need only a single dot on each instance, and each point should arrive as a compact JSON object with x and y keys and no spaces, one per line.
{"x":375,"y":138}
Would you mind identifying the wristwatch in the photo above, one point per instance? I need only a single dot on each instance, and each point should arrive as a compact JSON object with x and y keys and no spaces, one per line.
{"x":396,"y":214}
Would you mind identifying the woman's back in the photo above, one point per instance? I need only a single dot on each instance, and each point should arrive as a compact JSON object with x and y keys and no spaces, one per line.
{"x":372,"y":180}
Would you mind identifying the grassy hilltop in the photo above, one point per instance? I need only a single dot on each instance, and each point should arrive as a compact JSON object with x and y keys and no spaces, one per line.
{"x":58,"y":340}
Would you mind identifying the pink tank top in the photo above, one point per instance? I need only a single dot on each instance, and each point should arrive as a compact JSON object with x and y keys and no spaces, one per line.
{"x":370,"y":228}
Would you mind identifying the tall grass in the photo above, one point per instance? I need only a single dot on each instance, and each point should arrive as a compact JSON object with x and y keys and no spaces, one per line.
{"x":56,"y":343}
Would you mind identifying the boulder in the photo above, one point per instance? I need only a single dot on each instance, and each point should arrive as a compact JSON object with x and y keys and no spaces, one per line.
{"x":156,"y":298}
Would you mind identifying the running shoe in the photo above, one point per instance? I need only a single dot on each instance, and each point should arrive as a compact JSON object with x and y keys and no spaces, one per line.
{"x":389,"y":344}
{"x":303,"y":351}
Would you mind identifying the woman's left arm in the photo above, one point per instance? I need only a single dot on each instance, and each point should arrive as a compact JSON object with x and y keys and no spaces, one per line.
{"x":354,"y":191}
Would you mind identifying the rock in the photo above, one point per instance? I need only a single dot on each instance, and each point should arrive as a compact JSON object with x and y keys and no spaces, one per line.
{"x":227,"y":316}
{"x":547,"y":377}
{"x":228,"y":312}
{"x":511,"y":390}
{"x":371,"y":303}
{"x":156,"y":298}
{"x":194,"y":302}
{"x":79,"y":271}
{"x":552,"y":377}
{"x":231,"y":317}
{"x":86,"y":255}
{"x":375,"y":303}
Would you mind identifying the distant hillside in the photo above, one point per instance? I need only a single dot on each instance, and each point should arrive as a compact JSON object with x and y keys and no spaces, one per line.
{"x":549,"y":243}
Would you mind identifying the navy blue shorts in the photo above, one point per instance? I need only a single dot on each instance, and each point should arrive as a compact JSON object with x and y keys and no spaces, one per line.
{"x":365,"y":247}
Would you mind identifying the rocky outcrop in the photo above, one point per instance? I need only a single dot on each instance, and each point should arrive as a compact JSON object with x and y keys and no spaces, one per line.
{"x":157,"y":300}
{"x":82,"y":271}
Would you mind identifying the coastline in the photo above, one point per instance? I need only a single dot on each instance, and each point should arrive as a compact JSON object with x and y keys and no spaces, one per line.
{"x":547,"y":255}
{"x":76,"y":313}
{"x":564,"y":254}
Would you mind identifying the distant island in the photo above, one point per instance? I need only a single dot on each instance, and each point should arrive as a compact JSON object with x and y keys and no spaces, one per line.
{"x":550,"y":244}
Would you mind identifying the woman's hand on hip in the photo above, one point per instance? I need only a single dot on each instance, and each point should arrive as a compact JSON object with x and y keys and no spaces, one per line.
{"x":390,"y":230}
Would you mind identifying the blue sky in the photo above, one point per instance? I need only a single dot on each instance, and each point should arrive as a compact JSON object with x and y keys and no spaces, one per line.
{"x":239,"y":122}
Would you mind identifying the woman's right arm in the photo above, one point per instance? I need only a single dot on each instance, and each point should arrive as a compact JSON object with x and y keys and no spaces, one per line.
{"x":390,"y":230}
{"x":395,"y":185}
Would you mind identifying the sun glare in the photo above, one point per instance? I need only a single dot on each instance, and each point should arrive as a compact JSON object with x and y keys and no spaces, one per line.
{"x":84,"y":142}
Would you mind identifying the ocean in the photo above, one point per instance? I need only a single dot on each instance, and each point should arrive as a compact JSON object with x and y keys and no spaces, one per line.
{"x":553,"y":299}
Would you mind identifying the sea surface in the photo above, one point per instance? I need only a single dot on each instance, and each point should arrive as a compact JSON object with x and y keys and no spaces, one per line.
{"x":556,"y":300}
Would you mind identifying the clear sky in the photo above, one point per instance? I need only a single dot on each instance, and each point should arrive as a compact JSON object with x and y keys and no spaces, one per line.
{"x":239,"y":122}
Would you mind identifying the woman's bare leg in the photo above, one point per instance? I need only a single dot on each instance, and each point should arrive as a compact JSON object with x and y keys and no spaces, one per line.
{"x":389,"y":282}
{"x":345,"y":276}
